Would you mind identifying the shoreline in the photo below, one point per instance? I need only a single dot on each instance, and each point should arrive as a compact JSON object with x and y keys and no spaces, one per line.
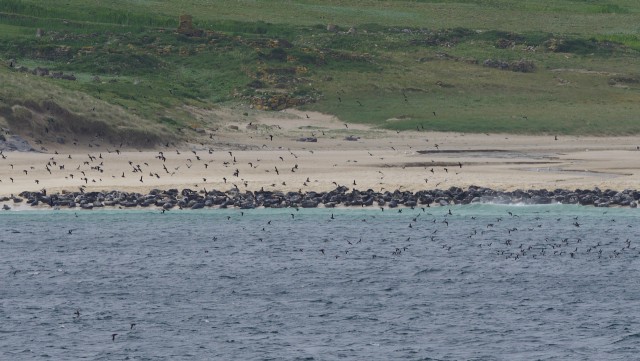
{"x":341,"y":197}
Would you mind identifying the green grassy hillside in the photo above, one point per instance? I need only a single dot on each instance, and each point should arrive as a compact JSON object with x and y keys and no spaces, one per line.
{"x":122,"y":68}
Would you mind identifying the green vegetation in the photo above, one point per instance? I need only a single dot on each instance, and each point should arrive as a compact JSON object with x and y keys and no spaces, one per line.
{"x":566,"y":66}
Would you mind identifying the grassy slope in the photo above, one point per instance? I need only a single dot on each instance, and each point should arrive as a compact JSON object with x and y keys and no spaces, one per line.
{"x":382,"y":75}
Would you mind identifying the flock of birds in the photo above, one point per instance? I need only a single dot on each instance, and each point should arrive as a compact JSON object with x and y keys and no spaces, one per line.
{"x":437,"y":233}
{"x":532,"y":238}
{"x":94,"y":168}
{"x":206,"y":167}
{"x":425,"y":233}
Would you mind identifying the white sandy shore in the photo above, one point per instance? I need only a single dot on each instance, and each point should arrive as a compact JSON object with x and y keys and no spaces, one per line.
{"x":380,"y":160}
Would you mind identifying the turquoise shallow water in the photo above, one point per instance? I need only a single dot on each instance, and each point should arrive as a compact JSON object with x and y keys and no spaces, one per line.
{"x":485,"y":282}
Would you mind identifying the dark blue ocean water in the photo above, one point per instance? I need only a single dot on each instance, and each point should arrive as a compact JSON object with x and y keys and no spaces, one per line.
{"x":539,"y":283}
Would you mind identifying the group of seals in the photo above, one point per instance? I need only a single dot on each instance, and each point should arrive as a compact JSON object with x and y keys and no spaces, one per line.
{"x":341,"y":195}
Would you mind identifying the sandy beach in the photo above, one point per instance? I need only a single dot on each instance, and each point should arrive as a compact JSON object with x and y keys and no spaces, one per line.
{"x":267,"y":153}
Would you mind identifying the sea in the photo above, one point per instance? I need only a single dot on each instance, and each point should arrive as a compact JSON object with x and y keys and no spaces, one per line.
{"x":473,"y":282}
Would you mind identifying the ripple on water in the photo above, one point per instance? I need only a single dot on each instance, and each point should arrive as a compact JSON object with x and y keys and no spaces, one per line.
{"x":264,"y":286}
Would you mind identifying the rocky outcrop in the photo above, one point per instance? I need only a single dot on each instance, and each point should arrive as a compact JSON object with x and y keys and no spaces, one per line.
{"x":185,"y":27}
{"x":14,"y":143}
{"x":522,"y":65}
{"x":43,"y":72}
{"x":278,"y":101}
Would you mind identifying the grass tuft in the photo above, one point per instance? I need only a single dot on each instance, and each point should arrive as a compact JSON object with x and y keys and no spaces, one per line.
{"x":407,"y":65}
